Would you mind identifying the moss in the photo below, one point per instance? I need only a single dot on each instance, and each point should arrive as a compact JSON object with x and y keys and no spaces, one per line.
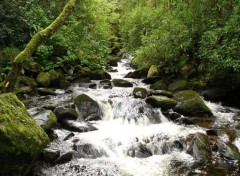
{"x":44,"y":79}
{"x":139,"y":62}
{"x":190,"y":104}
{"x":178,"y":85}
{"x":161,"y":102}
{"x":153,"y":71}
{"x":162,"y":93}
{"x":26,"y":81}
{"x":19,"y":133}
{"x":159,"y":85}
{"x":51,"y":122}
{"x":55,"y":78}
{"x":140,"y":92}
{"x":82,"y":98}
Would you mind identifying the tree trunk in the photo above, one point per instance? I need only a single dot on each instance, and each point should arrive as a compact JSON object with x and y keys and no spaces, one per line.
{"x":39,"y":38}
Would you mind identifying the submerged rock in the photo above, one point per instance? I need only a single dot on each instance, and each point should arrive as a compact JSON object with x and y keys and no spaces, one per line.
{"x":21,"y":138}
{"x":122,"y":83}
{"x":47,"y":120}
{"x":88,"y":108}
{"x":200,"y":148}
{"x":228,"y":150}
{"x":140,"y":92}
{"x":190,"y":104}
{"x":161,"y":102}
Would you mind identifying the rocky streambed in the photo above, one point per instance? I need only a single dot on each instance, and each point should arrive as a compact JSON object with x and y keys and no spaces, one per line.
{"x":128,"y":125}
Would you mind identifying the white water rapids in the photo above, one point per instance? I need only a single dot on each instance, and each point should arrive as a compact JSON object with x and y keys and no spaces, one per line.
{"x":127,"y":121}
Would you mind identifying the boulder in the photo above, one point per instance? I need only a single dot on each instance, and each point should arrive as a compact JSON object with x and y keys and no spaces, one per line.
{"x":32,"y":69}
{"x":64,"y":158}
{"x":106,"y":84}
{"x":65,"y":113}
{"x":188,"y":71}
{"x":190,"y":104}
{"x":23,"y":81}
{"x":151,"y":80}
{"x":99,"y":75}
{"x":21,"y":138}
{"x":86,"y":150}
{"x":23,"y":90}
{"x":46,"y":91}
{"x":76,"y":126}
{"x":92,"y":86}
{"x":113,"y":62}
{"x":139,"y":150}
{"x":43,"y":79}
{"x":153,"y":71}
{"x":159,"y":85}
{"x":64,"y":84}
{"x":55,"y":78}
{"x":138,"y":74}
{"x":122,"y":83}
{"x":50,"y":155}
{"x":200,"y":148}
{"x":228,"y":150}
{"x":81,"y":71}
{"x":214,"y":94}
{"x":88,"y":108}
{"x":46,"y":119}
{"x":161,"y":102}
{"x":178,"y":85}
{"x":140,"y":92}
{"x":162,"y":93}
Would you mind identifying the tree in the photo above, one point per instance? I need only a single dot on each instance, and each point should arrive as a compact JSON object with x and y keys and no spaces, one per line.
{"x":39,"y":38}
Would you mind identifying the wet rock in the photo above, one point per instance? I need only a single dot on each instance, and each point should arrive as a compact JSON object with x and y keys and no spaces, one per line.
{"x":139,"y":150}
{"x":106,"y":84}
{"x":173,"y":116}
{"x":162,"y":93}
{"x":228,"y":150}
{"x":140,"y":92}
{"x":190,"y":104}
{"x":211,"y":132}
{"x":138,"y":74}
{"x":22,"y":139}
{"x":50,"y":155}
{"x":76,"y":126}
{"x":65,"y":113}
{"x":200,"y":148}
{"x":113,"y":62}
{"x":122,"y":83}
{"x":161,"y":102}
{"x":168,"y":147}
{"x":64,"y":84}
{"x":185,"y":121}
{"x":24,"y":90}
{"x":153,"y":71}
{"x":87,"y":107}
{"x":64,"y":158}
{"x":87,"y":150}
{"x":159,"y":85}
{"x":50,"y":107}
{"x":70,"y":135}
{"x":46,"y":91}
{"x":46,"y":119}
{"x":84,"y":80}
{"x":99,"y":75}
{"x":178,"y":85}
{"x":55,"y":78}
{"x":43,"y":79}
{"x":151,"y":80}
{"x":92,"y":86}
{"x":214,"y":94}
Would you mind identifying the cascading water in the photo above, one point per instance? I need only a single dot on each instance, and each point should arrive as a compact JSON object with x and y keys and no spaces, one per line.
{"x":132,"y":138}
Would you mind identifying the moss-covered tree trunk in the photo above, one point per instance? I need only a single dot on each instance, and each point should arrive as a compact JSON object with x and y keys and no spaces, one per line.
{"x":34,"y":43}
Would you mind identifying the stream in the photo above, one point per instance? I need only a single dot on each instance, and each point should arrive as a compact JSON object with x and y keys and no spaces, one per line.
{"x":129,"y":129}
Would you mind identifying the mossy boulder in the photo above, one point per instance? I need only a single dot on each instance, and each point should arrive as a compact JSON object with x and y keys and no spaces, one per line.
{"x":178,"y":85}
{"x":46,"y":119}
{"x":64,"y":84}
{"x":26,"y":81}
{"x":65,"y":113}
{"x":140,"y":92}
{"x":21,"y":138}
{"x":139,"y":62}
{"x":32,"y":69}
{"x":88,"y":108}
{"x":153,"y":71}
{"x":228,"y":150}
{"x":122,"y":83}
{"x":190,"y":104}
{"x":99,"y":75}
{"x":161,"y":102}
{"x":200,"y":147}
{"x":214,"y":94}
{"x":151,"y":80}
{"x":159,"y":85}
{"x":23,"y":90}
{"x":55,"y":78}
{"x":162,"y":93}
{"x":46,"y":91}
{"x":44,"y":79}
{"x":138,"y":74}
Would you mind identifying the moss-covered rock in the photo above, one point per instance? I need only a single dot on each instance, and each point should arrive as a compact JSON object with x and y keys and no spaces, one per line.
{"x":140,"y":92}
{"x":21,"y":138}
{"x":178,"y":85}
{"x":23,"y":90}
{"x":65,"y":113}
{"x":200,"y":148}
{"x":162,"y":93}
{"x":55,"y":78}
{"x":46,"y":91}
{"x":99,"y":75}
{"x":161,"y":102}
{"x":26,"y":81}
{"x":47,"y":120}
{"x":159,"y":85}
{"x":151,"y":80}
{"x":64,"y":84}
{"x":139,"y":62}
{"x":32,"y":69}
{"x":122,"y":83}
{"x":88,"y":108}
{"x":190,"y":104}
{"x":106,"y":84}
{"x":214,"y":94}
{"x":138,"y":74}
{"x":44,"y":79}
{"x":228,"y":150}
{"x":153,"y":71}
